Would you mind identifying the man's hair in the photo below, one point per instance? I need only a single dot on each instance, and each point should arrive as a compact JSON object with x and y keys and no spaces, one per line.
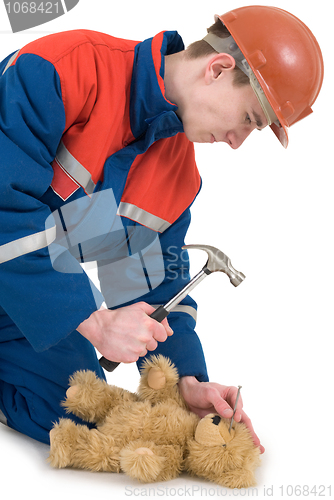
{"x":201,"y":48}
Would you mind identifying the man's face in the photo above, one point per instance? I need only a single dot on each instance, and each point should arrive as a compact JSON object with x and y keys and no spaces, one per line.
{"x":219,"y":111}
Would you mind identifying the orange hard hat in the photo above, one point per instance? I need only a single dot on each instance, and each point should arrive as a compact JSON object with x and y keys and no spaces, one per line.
{"x":285,"y":59}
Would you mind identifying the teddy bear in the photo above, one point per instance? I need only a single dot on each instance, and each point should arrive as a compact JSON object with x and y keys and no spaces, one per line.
{"x":150,"y":435}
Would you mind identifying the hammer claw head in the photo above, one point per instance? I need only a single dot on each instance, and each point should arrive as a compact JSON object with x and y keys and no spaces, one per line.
{"x":218,"y":261}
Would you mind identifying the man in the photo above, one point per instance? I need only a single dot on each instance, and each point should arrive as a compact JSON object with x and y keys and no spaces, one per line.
{"x":97,"y":164}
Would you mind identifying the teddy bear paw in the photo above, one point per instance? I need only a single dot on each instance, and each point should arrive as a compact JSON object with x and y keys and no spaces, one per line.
{"x":72,"y":391}
{"x":156,"y":379}
{"x":144,"y":451}
{"x":141,"y":463}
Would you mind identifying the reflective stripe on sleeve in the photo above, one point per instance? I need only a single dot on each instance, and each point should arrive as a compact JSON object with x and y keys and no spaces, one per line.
{"x":11,"y":60}
{"x":74,"y":168}
{"x":185,"y":309}
{"x":28,"y":244}
{"x":145,"y":218}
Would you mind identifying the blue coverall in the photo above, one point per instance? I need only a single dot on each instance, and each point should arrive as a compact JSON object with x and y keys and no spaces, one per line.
{"x":83,"y":115}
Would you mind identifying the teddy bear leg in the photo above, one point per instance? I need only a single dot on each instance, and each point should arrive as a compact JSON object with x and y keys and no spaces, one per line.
{"x":91,"y":398}
{"x":63,"y":439}
{"x":148,"y":462}
{"x":74,"y":445}
{"x":97,"y":452}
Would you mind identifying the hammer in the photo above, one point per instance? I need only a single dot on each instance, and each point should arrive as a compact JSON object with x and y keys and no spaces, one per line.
{"x":217,"y":261}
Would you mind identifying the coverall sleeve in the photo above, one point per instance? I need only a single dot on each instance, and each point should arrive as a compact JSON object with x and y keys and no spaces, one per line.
{"x":45,"y":304}
{"x":184,"y":346}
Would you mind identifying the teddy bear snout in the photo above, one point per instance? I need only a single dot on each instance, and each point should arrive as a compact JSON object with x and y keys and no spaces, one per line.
{"x":208,"y":431}
{"x":216,"y":419}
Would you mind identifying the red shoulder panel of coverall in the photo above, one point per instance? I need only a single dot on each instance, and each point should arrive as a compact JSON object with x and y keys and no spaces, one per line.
{"x":95,"y":75}
{"x":171,"y":182}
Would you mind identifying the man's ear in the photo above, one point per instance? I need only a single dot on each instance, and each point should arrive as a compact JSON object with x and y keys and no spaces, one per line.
{"x":217,"y":65}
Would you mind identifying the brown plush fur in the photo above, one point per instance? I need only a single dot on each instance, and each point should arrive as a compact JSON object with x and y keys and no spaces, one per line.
{"x":150,"y":435}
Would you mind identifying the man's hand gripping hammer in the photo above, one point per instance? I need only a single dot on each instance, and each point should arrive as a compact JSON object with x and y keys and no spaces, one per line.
{"x":217,"y":261}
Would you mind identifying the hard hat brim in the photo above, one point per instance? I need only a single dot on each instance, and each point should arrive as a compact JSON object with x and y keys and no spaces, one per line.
{"x":281,"y":133}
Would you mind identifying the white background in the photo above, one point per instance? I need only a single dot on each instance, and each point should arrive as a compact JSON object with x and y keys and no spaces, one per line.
{"x":271,"y":211}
